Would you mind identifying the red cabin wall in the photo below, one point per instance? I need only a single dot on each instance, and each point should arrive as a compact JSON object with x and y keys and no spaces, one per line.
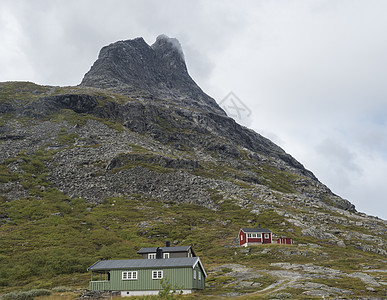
{"x":268,"y":240}
{"x":242,"y":238}
{"x":255,"y":240}
{"x":287,"y":241}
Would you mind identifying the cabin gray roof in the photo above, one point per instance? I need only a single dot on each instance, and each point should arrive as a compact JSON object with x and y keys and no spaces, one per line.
{"x":165,"y":249}
{"x":147,"y":263}
{"x":260,"y":230}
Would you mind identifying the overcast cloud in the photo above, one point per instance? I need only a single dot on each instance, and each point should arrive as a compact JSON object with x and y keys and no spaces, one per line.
{"x":313,"y":73}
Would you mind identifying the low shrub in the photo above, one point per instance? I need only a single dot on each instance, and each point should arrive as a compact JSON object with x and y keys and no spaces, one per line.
{"x":25,"y":295}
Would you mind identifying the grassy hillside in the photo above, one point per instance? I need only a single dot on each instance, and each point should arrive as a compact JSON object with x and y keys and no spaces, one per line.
{"x":44,"y":249}
{"x":51,"y":241}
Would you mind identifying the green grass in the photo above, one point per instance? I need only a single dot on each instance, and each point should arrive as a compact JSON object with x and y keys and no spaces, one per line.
{"x":21,"y":91}
{"x":6,"y":175}
{"x":276,"y":179}
{"x":65,"y":138}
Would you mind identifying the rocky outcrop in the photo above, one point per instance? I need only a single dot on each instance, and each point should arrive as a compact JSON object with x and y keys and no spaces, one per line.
{"x":290,"y":277}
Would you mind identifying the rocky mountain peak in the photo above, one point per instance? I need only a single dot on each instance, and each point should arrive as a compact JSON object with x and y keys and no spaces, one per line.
{"x":170,"y":51}
{"x":159,"y":71}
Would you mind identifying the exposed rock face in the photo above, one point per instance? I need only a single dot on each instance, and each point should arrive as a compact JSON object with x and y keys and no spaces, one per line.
{"x":296,"y":276}
{"x":133,"y":67}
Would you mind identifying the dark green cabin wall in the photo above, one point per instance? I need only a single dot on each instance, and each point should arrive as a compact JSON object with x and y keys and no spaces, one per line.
{"x":198,"y":284}
{"x":181,"y":278}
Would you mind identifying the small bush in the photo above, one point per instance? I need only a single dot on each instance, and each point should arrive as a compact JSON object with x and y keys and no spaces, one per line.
{"x":39,"y":292}
{"x":169,"y":291}
{"x":26,"y":295}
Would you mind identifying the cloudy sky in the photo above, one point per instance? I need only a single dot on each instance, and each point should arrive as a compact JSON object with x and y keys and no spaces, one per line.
{"x":313,"y":73}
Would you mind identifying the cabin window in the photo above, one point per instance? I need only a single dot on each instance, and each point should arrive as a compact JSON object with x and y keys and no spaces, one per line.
{"x":129,"y":275}
{"x":199,"y":275}
{"x":267,"y":236}
{"x":157,"y":274}
{"x":253,"y":235}
{"x":194,"y":274}
{"x":166,"y":255}
{"x":151,"y":255}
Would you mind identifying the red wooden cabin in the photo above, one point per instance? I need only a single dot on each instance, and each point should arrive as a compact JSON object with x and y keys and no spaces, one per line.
{"x":254,"y":236}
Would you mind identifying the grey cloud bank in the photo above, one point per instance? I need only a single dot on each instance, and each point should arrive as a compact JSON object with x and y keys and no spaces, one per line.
{"x":311,"y":72}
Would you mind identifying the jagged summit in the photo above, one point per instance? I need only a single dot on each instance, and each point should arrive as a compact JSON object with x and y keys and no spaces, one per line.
{"x":171,"y":49}
{"x":134,"y":68}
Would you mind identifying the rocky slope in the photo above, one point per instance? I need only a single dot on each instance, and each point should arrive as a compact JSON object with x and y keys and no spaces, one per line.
{"x":138,"y":128}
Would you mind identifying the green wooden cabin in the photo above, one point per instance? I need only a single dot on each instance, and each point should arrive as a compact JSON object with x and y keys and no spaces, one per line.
{"x":136,"y":277}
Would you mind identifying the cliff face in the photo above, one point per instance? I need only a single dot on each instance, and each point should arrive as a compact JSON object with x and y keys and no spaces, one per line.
{"x":138,"y":130}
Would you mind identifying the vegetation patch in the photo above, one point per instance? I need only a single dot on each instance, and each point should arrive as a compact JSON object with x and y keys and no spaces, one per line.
{"x":6,"y":175}
{"x":21,"y":91}
{"x":277,"y":180}
{"x":80,"y":119}
{"x":65,"y":138}
{"x":26,"y":295}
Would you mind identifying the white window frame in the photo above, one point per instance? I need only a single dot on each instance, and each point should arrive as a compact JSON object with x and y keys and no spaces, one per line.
{"x":129,"y":275}
{"x":194,"y":274}
{"x":166,"y":255}
{"x":267,"y":236}
{"x":151,"y":255}
{"x":249,"y":235}
{"x":157,"y":274}
{"x":199,"y":275}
